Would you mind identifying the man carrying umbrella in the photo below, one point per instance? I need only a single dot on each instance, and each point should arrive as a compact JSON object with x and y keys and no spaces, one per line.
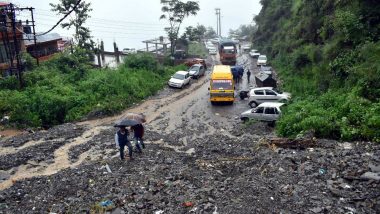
{"x":138,"y":129}
{"x":121,"y":137}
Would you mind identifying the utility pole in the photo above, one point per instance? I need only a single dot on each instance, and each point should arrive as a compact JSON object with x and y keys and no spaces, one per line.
{"x":17,"y":46}
{"x":217,"y":12}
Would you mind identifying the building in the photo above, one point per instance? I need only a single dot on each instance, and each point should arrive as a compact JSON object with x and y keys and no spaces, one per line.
{"x":46,"y":45}
{"x":7,"y":44}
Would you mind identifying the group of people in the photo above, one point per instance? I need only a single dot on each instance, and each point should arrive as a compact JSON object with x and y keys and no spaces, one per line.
{"x":122,"y":139}
{"x":238,"y":75}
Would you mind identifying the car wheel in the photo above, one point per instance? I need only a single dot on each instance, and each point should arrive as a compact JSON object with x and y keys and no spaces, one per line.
{"x":252,"y":104}
{"x":244,"y":119}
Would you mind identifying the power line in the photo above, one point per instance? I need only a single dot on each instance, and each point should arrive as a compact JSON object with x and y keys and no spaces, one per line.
{"x":66,"y":15}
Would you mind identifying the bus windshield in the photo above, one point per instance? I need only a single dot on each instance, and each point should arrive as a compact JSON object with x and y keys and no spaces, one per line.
{"x":222,"y":85}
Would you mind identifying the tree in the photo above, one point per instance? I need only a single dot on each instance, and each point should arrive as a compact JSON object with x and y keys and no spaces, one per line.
{"x":175,"y":11}
{"x":81,"y":14}
{"x":194,"y":34}
{"x":210,"y":33}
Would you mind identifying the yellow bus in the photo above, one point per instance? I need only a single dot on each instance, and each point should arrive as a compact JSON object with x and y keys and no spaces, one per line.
{"x":222,"y":84}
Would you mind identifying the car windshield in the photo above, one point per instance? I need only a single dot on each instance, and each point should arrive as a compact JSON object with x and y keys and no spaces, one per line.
{"x":221,"y":85}
{"x":194,"y":68}
{"x":228,"y":51}
{"x":179,"y":76}
{"x":263,"y":58}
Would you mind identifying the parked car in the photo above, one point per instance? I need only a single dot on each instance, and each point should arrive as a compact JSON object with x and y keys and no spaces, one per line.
{"x":254,"y":53}
{"x":179,"y":79}
{"x":266,"y":70}
{"x":193,"y":61}
{"x":197,"y":70}
{"x":212,"y":51}
{"x":246,"y":48}
{"x":262,"y":60}
{"x":266,"y":94}
{"x":269,"y":112}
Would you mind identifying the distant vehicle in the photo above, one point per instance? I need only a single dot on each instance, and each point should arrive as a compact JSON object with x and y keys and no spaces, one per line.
{"x":197,"y":70}
{"x":262,"y":60}
{"x":269,"y":112}
{"x":193,"y":61}
{"x":129,"y":51}
{"x":179,"y":79}
{"x":222,"y":88}
{"x":180,"y":54}
{"x":215,"y":40}
{"x":227,"y":52}
{"x":246,"y":48}
{"x":254,"y":53}
{"x":266,"y":70}
{"x":266,"y":94}
{"x":212,"y":51}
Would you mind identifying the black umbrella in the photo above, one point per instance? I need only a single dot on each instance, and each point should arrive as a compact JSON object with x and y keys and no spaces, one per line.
{"x":126,"y":122}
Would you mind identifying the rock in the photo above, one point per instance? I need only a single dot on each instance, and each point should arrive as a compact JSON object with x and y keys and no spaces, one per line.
{"x":316,"y":210}
{"x":140,"y":205}
{"x":118,"y":211}
{"x":371,"y":176}
{"x":374,"y":168}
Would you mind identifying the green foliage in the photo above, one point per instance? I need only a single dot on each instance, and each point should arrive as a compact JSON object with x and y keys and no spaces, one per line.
{"x":80,"y":15}
{"x":335,"y":114}
{"x":327,"y":53}
{"x":66,"y":89}
{"x":197,"y":49}
{"x":141,"y":61}
{"x":175,"y":11}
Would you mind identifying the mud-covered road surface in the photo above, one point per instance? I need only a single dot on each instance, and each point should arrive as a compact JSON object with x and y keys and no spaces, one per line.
{"x":199,"y":158}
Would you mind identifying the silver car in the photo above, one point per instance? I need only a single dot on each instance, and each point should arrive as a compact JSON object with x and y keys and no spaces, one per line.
{"x":197,"y":70}
{"x":269,"y":112}
{"x":266,"y":94}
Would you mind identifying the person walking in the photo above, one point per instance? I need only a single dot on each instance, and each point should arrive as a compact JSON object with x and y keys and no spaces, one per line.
{"x":138,"y":131}
{"x":248,"y":75}
{"x":121,"y":140}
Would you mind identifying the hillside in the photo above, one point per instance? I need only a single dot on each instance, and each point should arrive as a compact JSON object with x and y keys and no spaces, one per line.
{"x":327,"y":53}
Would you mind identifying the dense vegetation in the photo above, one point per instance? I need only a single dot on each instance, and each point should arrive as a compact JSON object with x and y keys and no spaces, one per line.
{"x":67,"y":88}
{"x":327,"y":53}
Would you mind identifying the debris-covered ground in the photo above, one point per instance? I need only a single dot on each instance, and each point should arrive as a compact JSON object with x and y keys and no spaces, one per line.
{"x":199,"y":159}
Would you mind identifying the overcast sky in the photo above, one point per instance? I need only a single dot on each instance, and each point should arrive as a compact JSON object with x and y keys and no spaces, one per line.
{"x":128,"y":22}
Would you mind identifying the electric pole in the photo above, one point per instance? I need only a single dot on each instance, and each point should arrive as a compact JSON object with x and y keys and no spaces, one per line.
{"x":218,"y":25}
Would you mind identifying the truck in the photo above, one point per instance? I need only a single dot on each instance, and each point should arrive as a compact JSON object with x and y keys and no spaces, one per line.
{"x":227,"y":52}
{"x":222,"y":86}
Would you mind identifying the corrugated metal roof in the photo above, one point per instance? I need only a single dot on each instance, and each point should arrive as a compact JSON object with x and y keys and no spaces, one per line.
{"x":41,"y":39}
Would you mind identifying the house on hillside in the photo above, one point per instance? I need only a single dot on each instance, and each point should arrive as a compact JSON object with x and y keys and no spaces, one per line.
{"x":46,"y":45}
{"x":7,"y":44}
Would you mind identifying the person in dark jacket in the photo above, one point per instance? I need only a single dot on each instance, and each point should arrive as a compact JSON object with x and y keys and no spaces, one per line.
{"x":248,"y":75}
{"x":138,"y":131}
{"x":121,"y":140}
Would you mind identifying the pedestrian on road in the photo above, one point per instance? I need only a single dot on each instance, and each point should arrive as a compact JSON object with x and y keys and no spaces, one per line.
{"x":248,"y":75}
{"x":121,"y":140}
{"x":138,"y":131}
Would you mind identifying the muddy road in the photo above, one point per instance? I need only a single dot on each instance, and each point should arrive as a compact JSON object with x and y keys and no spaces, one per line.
{"x":199,"y":159}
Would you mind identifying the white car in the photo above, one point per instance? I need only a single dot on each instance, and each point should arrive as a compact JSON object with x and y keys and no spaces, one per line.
{"x":212,"y":51}
{"x":254,"y":54}
{"x":179,"y":79}
{"x":269,"y":112}
{"x":266,"y":94}
{"x":262,"y":60}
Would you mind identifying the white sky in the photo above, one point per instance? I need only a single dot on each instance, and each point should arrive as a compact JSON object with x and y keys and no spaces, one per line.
{"x":128,"y":22}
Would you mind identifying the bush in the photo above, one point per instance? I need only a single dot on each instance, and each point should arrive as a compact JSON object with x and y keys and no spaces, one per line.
{"x":141,"y":61}
{"x":338,"y":115}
